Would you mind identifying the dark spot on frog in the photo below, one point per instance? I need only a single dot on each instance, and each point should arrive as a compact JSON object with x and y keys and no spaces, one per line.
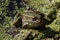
{"x":34,"y":19}
{"x":42,"y":15}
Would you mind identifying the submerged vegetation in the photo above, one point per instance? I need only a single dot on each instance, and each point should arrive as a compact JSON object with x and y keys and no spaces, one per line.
{"x":29,"y":19}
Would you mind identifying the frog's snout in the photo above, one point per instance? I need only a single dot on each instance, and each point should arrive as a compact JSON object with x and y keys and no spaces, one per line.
{"x":25,"y":25}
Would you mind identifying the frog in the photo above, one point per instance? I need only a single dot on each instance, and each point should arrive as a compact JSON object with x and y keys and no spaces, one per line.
{"x":30,"y":19}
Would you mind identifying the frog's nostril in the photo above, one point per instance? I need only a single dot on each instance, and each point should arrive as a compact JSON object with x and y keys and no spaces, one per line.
{"x":35,"y":18}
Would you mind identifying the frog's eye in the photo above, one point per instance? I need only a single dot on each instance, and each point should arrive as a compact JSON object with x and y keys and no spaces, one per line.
{"x":34,"y":19}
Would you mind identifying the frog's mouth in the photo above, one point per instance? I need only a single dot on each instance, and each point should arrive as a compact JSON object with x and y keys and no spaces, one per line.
{"x":25,"y":25}
{"x":30,"y":24}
